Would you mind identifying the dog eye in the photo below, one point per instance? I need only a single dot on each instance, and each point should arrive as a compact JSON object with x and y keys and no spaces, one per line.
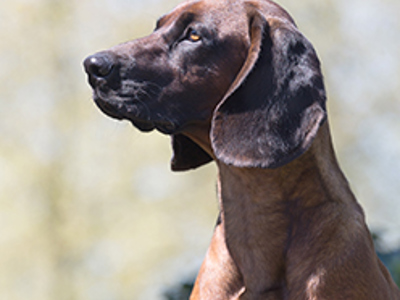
{"x":193,"y":35}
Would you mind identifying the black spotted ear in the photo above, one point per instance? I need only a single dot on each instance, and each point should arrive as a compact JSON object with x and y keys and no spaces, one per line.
{"x":187,"y":154}
{"x":274,"y":108}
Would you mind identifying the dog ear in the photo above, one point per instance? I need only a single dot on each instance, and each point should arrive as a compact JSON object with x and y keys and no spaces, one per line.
{"x":187,"y":154}
{"x":272,"y":112}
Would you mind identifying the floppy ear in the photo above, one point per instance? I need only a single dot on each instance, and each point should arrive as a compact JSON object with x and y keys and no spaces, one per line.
{"x":187,"y":154}
{"x":275,"y":106}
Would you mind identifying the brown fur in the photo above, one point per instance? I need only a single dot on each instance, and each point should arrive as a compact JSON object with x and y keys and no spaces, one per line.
{"x":300,"y":229}
{"x":249,"y":94}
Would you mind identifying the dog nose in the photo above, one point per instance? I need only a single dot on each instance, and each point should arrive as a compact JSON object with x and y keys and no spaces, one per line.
{"x":99,"y":65}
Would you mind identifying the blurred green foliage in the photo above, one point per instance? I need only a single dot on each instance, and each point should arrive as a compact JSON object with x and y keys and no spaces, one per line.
{"x":392,"y":262}
{"x":179,"y":292}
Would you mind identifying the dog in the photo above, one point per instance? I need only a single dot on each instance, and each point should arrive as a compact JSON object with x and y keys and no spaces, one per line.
{"x":236,"y":82}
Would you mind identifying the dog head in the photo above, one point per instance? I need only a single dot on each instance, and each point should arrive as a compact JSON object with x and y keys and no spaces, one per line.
{"x":241,"y":68}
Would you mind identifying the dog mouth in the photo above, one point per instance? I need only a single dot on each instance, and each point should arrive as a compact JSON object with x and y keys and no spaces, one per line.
{"x":134,"y":111}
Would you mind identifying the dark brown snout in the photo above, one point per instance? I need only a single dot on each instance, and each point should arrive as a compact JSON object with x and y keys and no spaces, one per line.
{"x":171,"y":79}
{"x":99,"y":66}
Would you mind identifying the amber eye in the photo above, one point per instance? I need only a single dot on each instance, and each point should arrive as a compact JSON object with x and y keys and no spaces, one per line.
{"x":193,"y":35}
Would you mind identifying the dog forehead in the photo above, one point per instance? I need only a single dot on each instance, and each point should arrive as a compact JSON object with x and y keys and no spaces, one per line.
{"x":219,"y":12}
{"x":228,"y":15}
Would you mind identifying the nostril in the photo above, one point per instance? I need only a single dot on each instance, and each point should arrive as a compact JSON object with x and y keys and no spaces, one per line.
{"x":99,"y":65}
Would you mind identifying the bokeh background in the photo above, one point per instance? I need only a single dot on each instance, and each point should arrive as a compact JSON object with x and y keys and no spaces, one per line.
{"x":88,"y":206}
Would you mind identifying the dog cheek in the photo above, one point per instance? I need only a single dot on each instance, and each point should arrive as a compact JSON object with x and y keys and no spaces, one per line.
{"x":196,"y":76}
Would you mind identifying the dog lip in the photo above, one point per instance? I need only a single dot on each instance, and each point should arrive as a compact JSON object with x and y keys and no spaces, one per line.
{"x":142,"y":125}
{"x":111,"y":109}
{"x":127,"y":110}
{"x":116,"y":110}
{"x":167,"y":127}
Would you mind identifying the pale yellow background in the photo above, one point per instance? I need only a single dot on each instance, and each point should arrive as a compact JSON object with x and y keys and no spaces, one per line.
{"x":88,"y":207}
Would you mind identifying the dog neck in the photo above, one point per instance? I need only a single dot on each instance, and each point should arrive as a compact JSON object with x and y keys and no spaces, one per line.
{"x":281,"y":185}
{"x":261,"y":209}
